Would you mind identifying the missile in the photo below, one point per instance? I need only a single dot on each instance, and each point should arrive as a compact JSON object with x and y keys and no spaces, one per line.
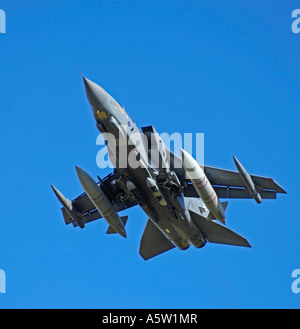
{"x":67,"y":204}
{"x":155,"y":191}
{"x":202,"y":185}
{"x":247,"y":181}
{"x":100,"y":201}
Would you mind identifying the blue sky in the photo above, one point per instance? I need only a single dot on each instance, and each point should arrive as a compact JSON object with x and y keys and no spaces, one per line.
{"x":228,"y":69}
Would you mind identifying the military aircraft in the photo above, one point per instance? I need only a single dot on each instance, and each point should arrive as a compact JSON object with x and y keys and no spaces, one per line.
{"x":180,"y":197}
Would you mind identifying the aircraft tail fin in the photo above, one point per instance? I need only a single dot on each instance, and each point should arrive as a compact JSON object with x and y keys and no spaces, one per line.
{"x":154,"y":242}
{"x":217,"y":233}
{"x":224,"y":205}
{"x":110,"y":230}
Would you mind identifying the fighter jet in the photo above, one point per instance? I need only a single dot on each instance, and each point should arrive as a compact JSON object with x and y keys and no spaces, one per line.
{"x":180,"y":197}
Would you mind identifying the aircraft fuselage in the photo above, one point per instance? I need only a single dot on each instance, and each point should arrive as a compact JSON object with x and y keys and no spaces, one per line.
{"x":128,"y":151}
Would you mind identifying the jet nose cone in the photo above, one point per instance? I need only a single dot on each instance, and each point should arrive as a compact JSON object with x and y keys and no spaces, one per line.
{"x":96,"y":95}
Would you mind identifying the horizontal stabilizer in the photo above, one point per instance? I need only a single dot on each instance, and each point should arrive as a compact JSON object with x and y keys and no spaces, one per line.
{"x":154,"y":242}
{"x":110,"y":230}
{"x":217,"y":233}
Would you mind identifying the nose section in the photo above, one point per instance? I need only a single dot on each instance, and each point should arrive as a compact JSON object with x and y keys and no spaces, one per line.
{"x":96,"y":95}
